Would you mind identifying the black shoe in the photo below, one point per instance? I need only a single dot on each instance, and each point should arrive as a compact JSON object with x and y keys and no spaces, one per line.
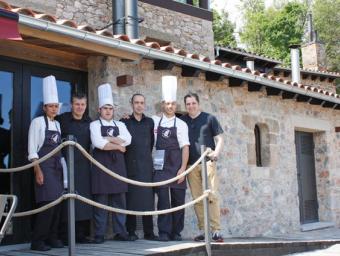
{"x":40,"y":246}
{"x":121,"y":237}
{"x":151,"y":237}
{"x":132,"y":237}
{"x":163,"y":238}
{"x":83,"y":240}
{"x":199,"y":238}
{"x":98,"y":239}
{"x":176,"y":237}
{"x":55,"y":243}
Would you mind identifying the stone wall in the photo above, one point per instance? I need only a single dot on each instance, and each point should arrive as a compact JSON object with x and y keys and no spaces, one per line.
{"x":190,"y":33}
{"x":182,"y":31}
{"x":254,"y":200}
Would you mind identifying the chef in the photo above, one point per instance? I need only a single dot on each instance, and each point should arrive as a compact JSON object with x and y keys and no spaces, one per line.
{"x":77,"y":123}
{"x":109,"y":139}
{"x":170,"y":159}
{"x":139,"y":165}
{"x":43,"y":137}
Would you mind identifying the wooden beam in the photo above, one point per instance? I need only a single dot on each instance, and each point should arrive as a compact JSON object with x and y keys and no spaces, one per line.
{"x":188,"y":71}
{"x":211,"y":76}
{"x":254,"y":87}
{"x":163,"y":65}
{"x":303,"y":98}
{"x":288,"y":95}
{"x":273,"y":91}
{"x":124,"y":80}
{"x":235,"y":82}
{"x":82,"y":44}
{"x":24,"y":51}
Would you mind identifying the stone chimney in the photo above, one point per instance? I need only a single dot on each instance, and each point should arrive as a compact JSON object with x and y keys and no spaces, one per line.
{"x":313,"y":52}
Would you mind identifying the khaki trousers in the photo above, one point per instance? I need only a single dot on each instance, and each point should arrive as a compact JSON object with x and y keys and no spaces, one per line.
{"x":195,"y":183}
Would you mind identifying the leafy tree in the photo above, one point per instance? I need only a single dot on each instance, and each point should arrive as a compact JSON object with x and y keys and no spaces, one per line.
{"x":326,"y":14}
{"x":223,"y":29}
{"x":271,"y":31}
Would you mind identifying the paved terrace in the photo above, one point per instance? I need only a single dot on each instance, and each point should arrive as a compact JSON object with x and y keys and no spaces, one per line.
{"x":324,"y":242}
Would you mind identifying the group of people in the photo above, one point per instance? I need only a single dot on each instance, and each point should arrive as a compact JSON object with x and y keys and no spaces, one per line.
{"x":138,"y":147}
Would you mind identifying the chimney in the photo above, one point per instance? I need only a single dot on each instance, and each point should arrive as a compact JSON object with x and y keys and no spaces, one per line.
{"x":118,"y":18}
{"x":310,"y":28}
{"x":131,"y":14}
{"x":250,"y":63}
{"x":295,"y":62}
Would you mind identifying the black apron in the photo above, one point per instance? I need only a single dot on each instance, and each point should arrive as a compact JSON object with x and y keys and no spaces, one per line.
{"x":139,"y":165}
{"x":103,"y":183}
{"x":167,"y":140}
{"x":51,"y":168}
{"x":80,"y":129}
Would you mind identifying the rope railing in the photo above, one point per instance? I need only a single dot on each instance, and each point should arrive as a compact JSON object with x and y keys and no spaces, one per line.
{"x":107,"y":170}
{"x":72,"y":196}
{"x":108,"y":208}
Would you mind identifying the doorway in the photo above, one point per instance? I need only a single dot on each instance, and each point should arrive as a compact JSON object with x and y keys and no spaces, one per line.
{"x":20,"y":101}
{"x":306,"y":177}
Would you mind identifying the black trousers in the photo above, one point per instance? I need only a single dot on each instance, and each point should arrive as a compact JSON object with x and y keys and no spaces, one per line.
{"x":82,"y":226}
{"x":46,"y":224}
{"x":171,"y":223}
{"x":131,"y":224}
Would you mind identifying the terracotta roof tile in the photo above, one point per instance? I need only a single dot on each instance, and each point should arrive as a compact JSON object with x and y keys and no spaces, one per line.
{"x":68,"y":23}
{"x":5,"y":6}
{"x":155,"y":45}
{"x":181,"y":52}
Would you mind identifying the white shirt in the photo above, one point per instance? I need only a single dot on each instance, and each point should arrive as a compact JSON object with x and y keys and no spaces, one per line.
{"x":36,"y":135}
{"x":182,"y":128}
{"x":98,"y":141}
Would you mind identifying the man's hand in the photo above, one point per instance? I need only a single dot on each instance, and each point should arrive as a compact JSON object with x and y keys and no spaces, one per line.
{"x":39,"y":176}
{"x":121,"y":148}
{"x":126,"y":116}
{"x":213,"y":156}
{"x":180,"y":171}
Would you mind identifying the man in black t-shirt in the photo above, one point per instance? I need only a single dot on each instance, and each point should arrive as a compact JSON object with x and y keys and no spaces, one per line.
{"x":204,"y":129}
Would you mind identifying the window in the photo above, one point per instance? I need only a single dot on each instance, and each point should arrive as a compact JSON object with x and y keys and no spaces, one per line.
{"x":262,"y":145}
{"x":258,"y":145}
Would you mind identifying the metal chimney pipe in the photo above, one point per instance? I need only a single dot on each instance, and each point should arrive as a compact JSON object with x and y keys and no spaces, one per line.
{"x":250,"y":63}
{"x":295,"y":62}
{"x":118,"y":20}
{"x":310,"y":28}
{"x":131,"y":14}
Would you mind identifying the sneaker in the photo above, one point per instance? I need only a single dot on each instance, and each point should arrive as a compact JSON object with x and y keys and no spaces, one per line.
{"x":217,"y":237}
{"x":199,"y":238}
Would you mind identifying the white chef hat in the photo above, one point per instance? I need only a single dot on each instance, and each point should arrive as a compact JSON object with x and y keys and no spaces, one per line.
{"x":50,"y":92}
{"x":169,"y":88}
{"x":105,"y":95}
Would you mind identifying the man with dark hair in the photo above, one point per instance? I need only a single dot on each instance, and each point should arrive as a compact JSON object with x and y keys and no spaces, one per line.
{"x":138,"y":159}
{"x":77,"y":123}
{"x":204,"y":129}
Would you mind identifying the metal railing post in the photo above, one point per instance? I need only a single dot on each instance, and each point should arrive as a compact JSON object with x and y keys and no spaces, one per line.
{"x":205,"y":203}
{"x":71,"y":211}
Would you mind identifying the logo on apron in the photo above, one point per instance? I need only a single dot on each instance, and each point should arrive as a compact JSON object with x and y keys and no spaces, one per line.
{"x":55,"y":138}
{"x":166,"y":133}
{"x":109,"y":132}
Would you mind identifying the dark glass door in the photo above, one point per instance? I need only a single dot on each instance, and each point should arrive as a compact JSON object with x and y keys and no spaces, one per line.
{"x":21,"y":101}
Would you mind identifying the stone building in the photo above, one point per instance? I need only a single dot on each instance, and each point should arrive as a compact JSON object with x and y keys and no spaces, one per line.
{"x":279,"y":169}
